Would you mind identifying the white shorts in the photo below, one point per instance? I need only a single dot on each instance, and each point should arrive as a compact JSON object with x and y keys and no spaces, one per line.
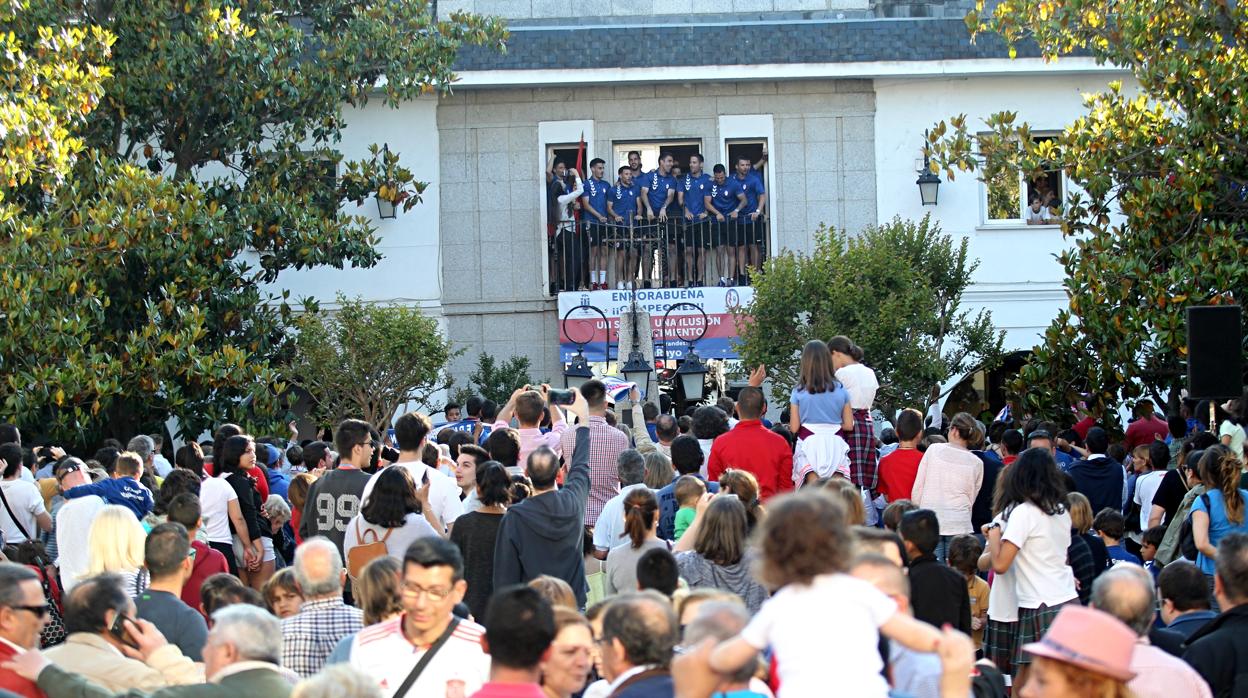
{"x":266,"y":543}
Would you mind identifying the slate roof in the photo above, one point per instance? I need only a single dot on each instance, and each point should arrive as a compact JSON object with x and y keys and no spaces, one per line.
{"x":613,"y":44}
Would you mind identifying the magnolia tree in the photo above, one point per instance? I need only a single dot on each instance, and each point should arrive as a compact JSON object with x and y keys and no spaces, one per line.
{"x":1157,"y":219}
{"x":162,"y":164}
{"x":895,"y":289}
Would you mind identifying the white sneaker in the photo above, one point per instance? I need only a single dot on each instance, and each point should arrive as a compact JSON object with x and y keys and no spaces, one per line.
{"x":619,"y":285}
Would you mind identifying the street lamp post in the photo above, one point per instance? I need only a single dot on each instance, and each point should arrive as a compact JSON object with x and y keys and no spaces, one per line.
{"x":637,"y":369}
{"x":577,"y":372}
{"x":929,"y":183}
{"x":692,"y":372}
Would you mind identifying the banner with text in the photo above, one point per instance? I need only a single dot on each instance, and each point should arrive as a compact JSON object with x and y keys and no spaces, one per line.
{"x":671,"y":342}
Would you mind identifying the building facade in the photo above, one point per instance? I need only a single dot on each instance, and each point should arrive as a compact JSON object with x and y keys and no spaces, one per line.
{"x":838,"y":92}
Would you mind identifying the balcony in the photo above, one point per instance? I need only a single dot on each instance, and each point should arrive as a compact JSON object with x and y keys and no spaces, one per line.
{"x":676,"y":253}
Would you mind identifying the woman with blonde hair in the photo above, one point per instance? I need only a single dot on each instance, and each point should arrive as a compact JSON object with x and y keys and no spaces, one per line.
{"x":115,"y":545}
{"x":555,"y":590}
{"x":378,"y":594}
{"x":743,"y":484}
{"x":1081,"y":523}
{"x":819,"y":415}
{"x":850,"y":496}
{"x":659,"y":470}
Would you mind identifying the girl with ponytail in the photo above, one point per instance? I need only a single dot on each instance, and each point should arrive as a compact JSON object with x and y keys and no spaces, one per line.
{"x":1221,"y":509}
{"x":641,"y":521}
{"x":860,"y":382}
{"x":820,"y":416}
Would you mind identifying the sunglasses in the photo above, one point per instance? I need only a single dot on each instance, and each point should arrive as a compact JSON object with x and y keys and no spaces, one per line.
{"x":40,"y":611}
{"x":72,"y":468}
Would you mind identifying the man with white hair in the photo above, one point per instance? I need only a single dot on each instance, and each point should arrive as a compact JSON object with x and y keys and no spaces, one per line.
{"x":311,"y":635}
{"x":143,"y":446}
{"x":240,"y":660}
{"x":1126,"y":592}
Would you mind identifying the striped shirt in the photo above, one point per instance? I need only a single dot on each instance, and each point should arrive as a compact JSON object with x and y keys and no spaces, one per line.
{"x":605,"y":445}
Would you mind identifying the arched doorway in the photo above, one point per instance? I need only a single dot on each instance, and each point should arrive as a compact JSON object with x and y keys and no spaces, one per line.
{"x":983,"y":393}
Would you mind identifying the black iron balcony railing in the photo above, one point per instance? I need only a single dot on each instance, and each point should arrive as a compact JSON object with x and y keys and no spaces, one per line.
{"x":677,"y":252}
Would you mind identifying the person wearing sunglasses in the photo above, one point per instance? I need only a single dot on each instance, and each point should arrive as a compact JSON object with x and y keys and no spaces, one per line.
{"x":23,"y":613}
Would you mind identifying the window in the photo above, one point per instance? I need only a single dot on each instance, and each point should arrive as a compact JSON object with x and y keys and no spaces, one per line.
{"x":650,"y":150}
{"x":1008,"y":197}
{"x":752,"y":149}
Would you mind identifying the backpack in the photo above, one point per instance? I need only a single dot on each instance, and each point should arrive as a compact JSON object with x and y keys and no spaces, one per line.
{"x":31,"y":554}
{"x":364,"y":553}
{"x":1187,"y":540}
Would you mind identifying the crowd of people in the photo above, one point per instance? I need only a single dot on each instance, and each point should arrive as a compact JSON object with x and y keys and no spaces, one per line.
{"x":676,"y":225}
{"x":600,"y":549}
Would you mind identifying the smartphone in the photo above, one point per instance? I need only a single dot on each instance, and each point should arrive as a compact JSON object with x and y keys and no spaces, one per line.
{"x":118,"y":630}
{"x":561,"y":397}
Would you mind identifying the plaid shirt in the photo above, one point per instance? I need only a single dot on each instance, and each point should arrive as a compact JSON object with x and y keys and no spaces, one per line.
{"x":605,"y":445}
{"x":310,"y":636}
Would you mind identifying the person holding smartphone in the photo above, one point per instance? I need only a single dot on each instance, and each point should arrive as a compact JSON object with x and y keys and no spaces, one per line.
{"x":104,"y":648}
{"x":528,"y":406}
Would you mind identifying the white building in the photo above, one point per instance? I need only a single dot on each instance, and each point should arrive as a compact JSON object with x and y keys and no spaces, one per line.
{"x":840,"y":91}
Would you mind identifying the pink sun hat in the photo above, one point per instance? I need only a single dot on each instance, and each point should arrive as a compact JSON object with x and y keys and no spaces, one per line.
{"x":1089,"y":639}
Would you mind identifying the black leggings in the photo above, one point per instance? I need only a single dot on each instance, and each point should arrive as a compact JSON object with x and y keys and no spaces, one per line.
{"x":226,"y":549}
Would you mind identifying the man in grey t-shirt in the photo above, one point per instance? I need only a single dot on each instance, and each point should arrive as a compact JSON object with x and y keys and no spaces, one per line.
{"x":167,"y":555}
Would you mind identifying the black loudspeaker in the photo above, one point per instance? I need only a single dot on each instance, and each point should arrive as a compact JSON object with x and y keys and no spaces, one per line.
{"x":1214,"y":352}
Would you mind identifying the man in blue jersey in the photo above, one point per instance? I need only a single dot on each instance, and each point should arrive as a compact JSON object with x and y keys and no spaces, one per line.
{"x":625,"y":216}
{"x":724,"y":201}
{"x":594,"y":206}
{"x":692,"y":192}
{"x":751,"y":238}
{"x":658,"y":190}
{"x":634,"y":166}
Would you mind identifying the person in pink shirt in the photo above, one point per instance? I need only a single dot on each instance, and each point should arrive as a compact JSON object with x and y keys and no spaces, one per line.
{"x":528,"y":405}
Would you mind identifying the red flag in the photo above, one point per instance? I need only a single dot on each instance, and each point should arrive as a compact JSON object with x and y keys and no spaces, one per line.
{"x":580,"y":168}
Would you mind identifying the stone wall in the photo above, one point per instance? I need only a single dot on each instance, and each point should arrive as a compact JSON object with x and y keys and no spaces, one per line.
{"x":490,"y":183}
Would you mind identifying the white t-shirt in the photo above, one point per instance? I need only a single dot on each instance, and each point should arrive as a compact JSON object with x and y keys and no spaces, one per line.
{"x":27,"y":503}
{"x":73,"y":526}
{"x":215,"y":496}
{"x":443,"y":492}
{"x":825,"y":634}
{"x":1237,"y":434}
{"x":609,"y":531}
{"x":1145,"y":489}
{"x":1041,"y":573}
{"x":1002,"y":597}
{"x":460,"y":668}
{"x":861,"y":384}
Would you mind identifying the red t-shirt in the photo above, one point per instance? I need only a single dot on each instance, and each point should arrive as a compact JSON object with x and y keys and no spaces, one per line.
{"x":207,"y":563}
{"x":897,"y":472}
{"x":752,"y":447}
{"x":1142,"y":432}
